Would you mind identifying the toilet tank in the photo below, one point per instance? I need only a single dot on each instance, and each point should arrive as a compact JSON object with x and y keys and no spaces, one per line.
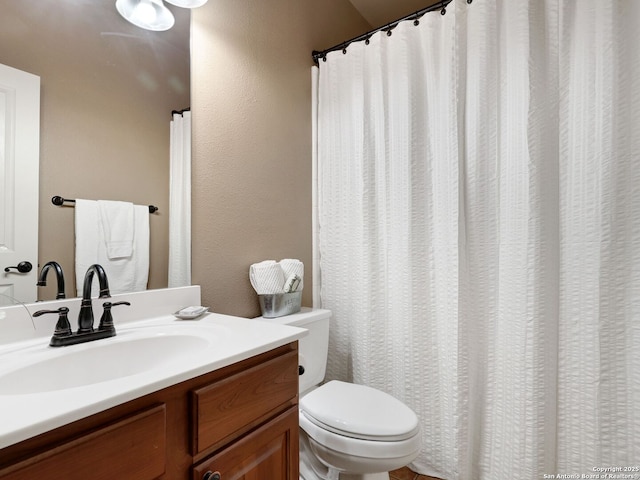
{"x":312,"y":348}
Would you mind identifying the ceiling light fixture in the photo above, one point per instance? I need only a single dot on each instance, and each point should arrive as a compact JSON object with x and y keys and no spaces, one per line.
{"x":147,"y":14}
{"x":187,"y":3}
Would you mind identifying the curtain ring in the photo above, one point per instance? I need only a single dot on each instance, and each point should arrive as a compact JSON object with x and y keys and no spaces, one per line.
{"x":367,"y":42}
{"x":416,"y":22}
{"x":389,"y":30}
{"x":444,"y":10}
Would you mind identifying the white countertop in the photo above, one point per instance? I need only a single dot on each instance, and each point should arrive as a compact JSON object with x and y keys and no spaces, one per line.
{"x":24,"y":414}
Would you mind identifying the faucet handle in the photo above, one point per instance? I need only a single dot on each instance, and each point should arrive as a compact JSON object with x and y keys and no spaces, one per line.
{"x":63,"y":327}
{"x":106,"y":321}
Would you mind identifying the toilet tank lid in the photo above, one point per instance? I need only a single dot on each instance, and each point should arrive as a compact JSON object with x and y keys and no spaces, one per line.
{"x":359,"y":411}
{"x":304,"y":316}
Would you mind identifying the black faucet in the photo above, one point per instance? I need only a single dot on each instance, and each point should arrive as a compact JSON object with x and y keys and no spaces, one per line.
{"x":85,"y":320}
{"x":42,"y":279}
{"x":86,"y":333}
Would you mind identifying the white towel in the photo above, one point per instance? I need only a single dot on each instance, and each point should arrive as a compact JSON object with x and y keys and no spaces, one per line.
{"x":292,"y":266}
{"x":267,"y":277}
{"x":292,"y":283}
{"x":118,"y":227}
{"x":128,"y":274}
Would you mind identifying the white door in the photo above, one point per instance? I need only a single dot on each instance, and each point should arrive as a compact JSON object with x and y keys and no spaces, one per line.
{"x":19,"y":166}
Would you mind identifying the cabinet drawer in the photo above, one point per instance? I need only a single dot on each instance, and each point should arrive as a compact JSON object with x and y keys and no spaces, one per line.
{"x":268,"y":453}
{"x":231,"y":406}
{"x":133,"y":448}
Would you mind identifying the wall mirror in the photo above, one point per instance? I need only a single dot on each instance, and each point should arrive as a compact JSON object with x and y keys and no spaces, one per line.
{"x":107,"y":92}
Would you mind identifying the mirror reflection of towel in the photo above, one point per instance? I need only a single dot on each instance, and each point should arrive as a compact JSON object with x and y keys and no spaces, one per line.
{"x":118,"y":227}
{"x":125,"y":274}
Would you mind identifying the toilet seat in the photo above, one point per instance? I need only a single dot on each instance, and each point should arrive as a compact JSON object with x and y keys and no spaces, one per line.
{"x":359,"y":421}
{"x":356,"y":447}
{"x":358,"y":411}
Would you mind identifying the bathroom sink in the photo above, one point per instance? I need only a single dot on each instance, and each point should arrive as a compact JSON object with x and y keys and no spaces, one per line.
{"x":134,"y":352}
{"x":44,"y":387}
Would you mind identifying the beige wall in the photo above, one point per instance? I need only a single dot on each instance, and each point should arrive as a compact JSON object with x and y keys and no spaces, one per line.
{"x":107,"y":91}
{"x":251,"y":98}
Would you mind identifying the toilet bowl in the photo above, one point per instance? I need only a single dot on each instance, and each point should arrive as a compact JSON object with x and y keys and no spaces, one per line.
{"x":358,"y":430}
{"x":347,"y":431}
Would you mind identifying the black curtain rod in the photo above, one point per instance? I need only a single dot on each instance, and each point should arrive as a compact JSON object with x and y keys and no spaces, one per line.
{"x":57,"y":200}
{"x":385,"y":28}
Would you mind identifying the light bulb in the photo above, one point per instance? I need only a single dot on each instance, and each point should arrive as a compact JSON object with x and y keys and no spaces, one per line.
{"x":147,"y":14}
{"x":187,"y":3}
{"x":144,"y":13}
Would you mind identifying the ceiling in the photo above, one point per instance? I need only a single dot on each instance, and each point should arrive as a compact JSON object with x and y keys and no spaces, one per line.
{"x":381,"y":12}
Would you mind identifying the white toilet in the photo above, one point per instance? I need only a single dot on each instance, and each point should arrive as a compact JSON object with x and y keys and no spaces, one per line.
{"x":347,"y":431}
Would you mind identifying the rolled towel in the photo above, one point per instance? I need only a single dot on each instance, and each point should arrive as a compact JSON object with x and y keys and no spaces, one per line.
{"x":267,"y":277}
{"x":291,"y":266}
{"x":255,"y":271}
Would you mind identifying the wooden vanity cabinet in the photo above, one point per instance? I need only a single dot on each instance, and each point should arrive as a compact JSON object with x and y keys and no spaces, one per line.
{"x":240,"y":421}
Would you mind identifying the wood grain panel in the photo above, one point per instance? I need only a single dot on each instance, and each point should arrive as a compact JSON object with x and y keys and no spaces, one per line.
{"x":133,"y":448}
{"x":233,"y":405}
{"x":270,"y":452}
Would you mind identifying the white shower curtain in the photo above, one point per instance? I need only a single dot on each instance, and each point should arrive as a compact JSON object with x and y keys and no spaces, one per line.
{"x":180,"y":201}
{"x":479,"y":231}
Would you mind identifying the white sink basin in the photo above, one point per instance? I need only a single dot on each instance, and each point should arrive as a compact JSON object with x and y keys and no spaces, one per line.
{"x":50,"y":369}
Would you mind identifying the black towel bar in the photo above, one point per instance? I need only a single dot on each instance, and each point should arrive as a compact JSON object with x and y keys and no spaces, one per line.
{"x":58,"y":200}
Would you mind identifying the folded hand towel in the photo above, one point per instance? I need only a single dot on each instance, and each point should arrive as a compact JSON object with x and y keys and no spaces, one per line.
{"x":126,"y":274}
{"x":117,"y":220}
{"x":291,"y":266}
{"x":267,"y":277}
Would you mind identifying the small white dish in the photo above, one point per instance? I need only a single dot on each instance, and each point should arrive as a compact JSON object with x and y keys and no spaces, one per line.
{"x":190,"y":313}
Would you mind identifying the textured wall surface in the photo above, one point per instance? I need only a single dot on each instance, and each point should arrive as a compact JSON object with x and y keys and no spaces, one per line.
{"x":251,"y":97}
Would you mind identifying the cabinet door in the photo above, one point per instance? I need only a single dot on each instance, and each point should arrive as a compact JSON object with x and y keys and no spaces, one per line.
{"x":270,"y":452}
{"x":132,"y":448}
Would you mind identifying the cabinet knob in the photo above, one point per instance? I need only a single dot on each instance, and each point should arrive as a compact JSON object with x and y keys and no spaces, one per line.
{"x":211,"y":475}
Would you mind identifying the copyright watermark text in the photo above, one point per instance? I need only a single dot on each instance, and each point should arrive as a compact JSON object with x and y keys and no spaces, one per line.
{"x":631,"y":472}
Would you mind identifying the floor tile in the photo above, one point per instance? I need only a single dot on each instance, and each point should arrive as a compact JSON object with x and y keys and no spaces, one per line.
{"x":402,"y":474}
{"x":406,"y":474}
